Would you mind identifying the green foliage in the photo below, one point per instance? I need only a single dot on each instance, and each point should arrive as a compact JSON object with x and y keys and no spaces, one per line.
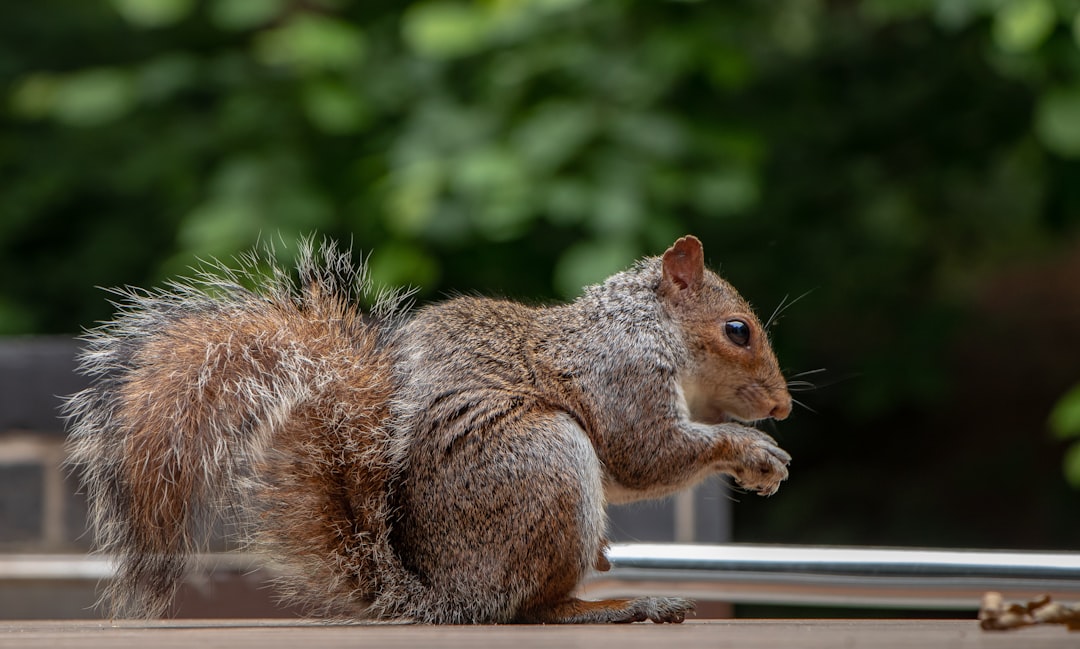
{"x":1057,"y":120}
{"x":903,"y":144}
{"x":1023,"y":25}
{"x":153,"y":13}
{"x":1065,"y":418}
{"x":310,"y":44}
{"x":1065,"y":423}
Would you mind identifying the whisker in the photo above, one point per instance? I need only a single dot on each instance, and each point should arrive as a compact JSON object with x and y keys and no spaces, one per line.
{"x":784,"y":306}
{"x":809,"y":372}
{"x":801,"y":386}
{"x":776,"y":311}
{"x":801,"y":404}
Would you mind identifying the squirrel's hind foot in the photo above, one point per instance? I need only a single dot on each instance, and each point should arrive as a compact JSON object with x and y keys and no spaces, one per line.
{"x":661,"y":610}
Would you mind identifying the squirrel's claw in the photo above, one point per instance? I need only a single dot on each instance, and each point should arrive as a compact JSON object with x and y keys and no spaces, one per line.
{"x":762,"y":465}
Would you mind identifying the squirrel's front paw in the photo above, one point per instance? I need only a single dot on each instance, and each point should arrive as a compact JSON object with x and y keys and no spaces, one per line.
{"x":761,"y":465}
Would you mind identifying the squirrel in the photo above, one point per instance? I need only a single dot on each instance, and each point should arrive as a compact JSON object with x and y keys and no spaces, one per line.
{"x":450,"y":464}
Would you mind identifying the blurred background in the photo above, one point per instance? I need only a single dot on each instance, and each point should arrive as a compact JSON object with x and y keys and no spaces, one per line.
{"x":907,"y":172}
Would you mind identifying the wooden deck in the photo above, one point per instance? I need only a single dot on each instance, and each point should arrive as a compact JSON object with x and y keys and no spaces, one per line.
{"x":748,"y":634}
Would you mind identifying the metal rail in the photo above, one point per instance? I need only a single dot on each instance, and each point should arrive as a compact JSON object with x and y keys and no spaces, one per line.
{"x":836,"y":576}
{"x":794,"y":575}
{"x":78,"y":567}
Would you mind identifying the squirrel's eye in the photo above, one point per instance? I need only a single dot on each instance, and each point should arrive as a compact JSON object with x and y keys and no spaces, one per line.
{"x":737,"y":332}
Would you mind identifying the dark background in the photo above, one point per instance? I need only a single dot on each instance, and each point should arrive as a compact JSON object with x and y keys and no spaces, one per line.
{"x":910,"y":168}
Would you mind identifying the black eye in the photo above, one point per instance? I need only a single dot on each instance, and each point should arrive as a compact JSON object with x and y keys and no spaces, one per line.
{"x":737,"y":332}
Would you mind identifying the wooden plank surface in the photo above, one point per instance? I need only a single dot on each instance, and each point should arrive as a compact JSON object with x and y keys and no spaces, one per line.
{"x":750,"y":634}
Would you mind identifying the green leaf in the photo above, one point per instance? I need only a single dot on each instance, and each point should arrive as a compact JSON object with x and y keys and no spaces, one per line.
{"x":411,"y":199}
{"x":953,"y":15}
{"x":153,"y":13}
{"x":444,"y":30}
{"x":557,"y":5}
{"x":34,"y":95}
{"x":1057,"y":121}
{"x":1023,"y":25}
{"x":311,"y":42}
{"x":497,"y":187}
{"x":1065,"y":417}
{"x":486,"y":169}
{"x":554,"y":132}
{"x":244,"y":14}
{"x":1071,"y":465}
{"x":795,"y":27}
{"x":618,"y":209}
{"x":93,"y":97}
{"x":333,"y":108}
{"x":220,"y":227}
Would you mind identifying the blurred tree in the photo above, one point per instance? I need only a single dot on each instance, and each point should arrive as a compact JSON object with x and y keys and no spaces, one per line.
{"x":892,"y":157}
{"x":1065,"y":422}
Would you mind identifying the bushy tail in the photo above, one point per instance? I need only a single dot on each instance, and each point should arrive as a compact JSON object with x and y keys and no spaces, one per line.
{"x":247,"y":390}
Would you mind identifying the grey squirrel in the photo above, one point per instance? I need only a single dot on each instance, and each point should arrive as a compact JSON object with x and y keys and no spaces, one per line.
{"x":450,"y":465}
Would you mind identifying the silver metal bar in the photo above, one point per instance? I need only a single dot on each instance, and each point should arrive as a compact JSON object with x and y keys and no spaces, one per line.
{"x":61,"y":567}
{"x":795,"y":575}
{"x":837,"y":576}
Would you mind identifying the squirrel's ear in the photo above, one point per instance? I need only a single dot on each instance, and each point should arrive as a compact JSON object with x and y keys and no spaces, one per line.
{"x":684,"y":263}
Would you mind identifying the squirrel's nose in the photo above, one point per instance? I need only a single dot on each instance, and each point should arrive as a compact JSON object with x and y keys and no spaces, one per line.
{"x":782,"y":409}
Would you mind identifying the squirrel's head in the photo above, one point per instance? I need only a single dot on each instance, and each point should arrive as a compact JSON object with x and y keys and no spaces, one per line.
{"x":733,"y":372}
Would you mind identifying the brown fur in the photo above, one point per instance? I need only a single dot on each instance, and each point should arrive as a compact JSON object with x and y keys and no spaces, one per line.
{"x":450,"y":468}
